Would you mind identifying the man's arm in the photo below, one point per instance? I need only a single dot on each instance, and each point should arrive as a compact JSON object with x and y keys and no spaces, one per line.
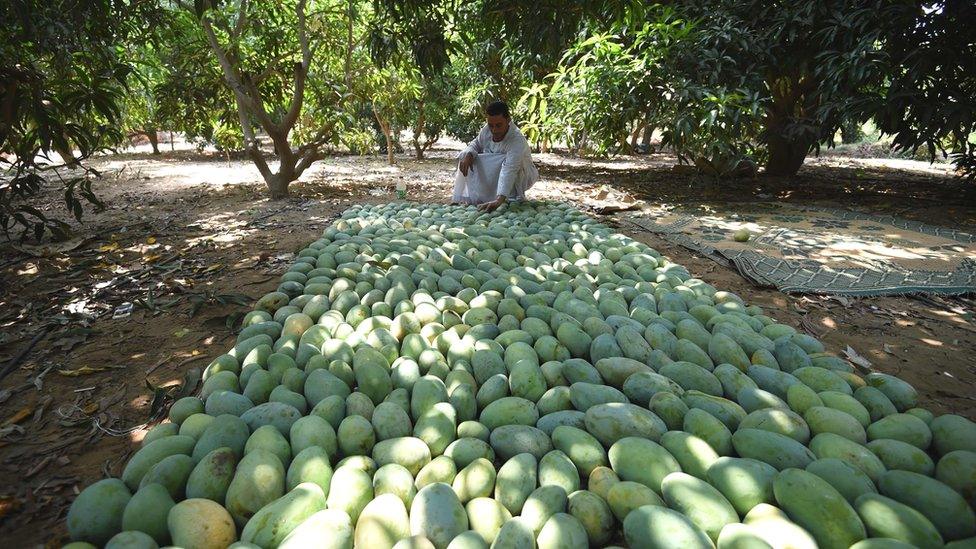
{"x":474,"y":148}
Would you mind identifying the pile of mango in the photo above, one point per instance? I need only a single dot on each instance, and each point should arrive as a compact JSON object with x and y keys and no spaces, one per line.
{"x":435,"y":376}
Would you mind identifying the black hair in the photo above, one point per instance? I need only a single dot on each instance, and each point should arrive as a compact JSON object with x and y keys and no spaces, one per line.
{"x":497,"y":107}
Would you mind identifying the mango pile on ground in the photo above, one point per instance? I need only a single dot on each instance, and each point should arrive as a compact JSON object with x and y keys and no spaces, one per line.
{"x":434,"y":376}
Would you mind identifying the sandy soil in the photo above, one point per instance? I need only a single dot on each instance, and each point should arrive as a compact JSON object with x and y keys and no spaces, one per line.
{"x":191,"y":241}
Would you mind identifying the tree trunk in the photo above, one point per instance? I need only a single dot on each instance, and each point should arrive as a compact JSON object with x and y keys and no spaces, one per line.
{"x":153,"y":140}
{"x":785,"y":155}
{"x":646,"y":138}
{"x":387,"y":133}
{"x":850,"y":132}
{"x":172,"y":144}
{"x":638,"y":126}
{"x":278,"y":184}
{"x":419,"y":129}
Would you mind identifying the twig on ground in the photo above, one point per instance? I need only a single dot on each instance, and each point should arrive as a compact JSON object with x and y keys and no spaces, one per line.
{"x":23,"y":352}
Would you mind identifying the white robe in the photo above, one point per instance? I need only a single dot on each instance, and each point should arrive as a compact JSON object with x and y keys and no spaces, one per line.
{"x":502,"y":168}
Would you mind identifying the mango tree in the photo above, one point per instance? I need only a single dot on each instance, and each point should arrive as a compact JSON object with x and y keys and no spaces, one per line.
{"x":270,"y":55}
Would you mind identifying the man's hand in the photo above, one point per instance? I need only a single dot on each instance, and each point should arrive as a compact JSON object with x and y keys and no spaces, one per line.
{"x":466,"y":162}
{"x":493,"y":205}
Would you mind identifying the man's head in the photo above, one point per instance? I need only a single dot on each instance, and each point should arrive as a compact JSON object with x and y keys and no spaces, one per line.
{"x":498,"y":119}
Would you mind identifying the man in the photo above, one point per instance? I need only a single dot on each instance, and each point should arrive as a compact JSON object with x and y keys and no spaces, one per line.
{"x":497,"y":166}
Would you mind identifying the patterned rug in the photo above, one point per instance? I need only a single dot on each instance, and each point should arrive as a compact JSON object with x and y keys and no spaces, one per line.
{"x":822,"y":250}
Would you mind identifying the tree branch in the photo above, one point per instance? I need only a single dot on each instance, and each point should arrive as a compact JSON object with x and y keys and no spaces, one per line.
{"x":255,"y":154}
{"x":241,"y":21}
{"x":301,"y":72}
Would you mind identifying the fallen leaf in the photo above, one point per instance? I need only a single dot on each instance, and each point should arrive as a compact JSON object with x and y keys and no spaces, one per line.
{"x":854,"y":357}
{"x":48,"y":250}
{"x":151,"y":240}
{"x":20,"y":415}
{"x":110,"y":247}
{"x":86,"y":370}
{"x":8,"y":505}
{"x":888,"y":349}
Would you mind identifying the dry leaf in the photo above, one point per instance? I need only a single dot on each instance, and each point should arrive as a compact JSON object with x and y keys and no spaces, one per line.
{"x":8,"y":505}
{"x":110,"y":247}
{"x":151,"y":240}
{"x":21,"y":415}
{"x":888,"y":349}
{"x":854,"y":357}
{"x":86,"y":370}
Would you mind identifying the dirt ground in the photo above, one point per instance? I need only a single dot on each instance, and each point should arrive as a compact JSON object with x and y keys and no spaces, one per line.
{"x":190,"y":240}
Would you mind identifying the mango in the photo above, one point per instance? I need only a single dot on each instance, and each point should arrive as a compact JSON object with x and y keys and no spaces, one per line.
{"x":581,"y":447}
{"x":328,"y":529}
{"x":821,"y":419}
{"x":258,"y":480}
{"x":440,"y":469}
{"x":310,"y":465}
{"x":654,"y":527}
{"x":269,"y":439}
{"x":511,"y":440}
{"x":778,"y":450}
{"x":147,"y":511}
{"x":131,"y":540}
{"x":382,"y":523}
{"x":151,"y":454}
{"x":744,"y":482}
{"x":562,"y":531}
{"x":829,"y":445}
{"x":612,"y":421}
{"x":772,"y":525}
{"x":273,"y":522}
{"x":817,"y":507}
{"x":705,"y":506}
{"x":437,"y":514}
{"x":625,"y":496}
{"x":200,"y":524}
{"x":904,"y":427}
{"x":951,"y":432}
{"x":886,"y":518}
{"x":594,"y":515}
{"x":542,"y":504}
{"x":957,"y":469}
{"x":516,"y":534}
{"x":641,"y":460}
{"x":850,"y":481}
{"x":516,"y":479}
{"x":896,"y":454}
{"x":899,"y":392}
{"x":486,"y":517}
{"x":171,"y":472}
{"x":475,"y":480}
{"x":942,"y":505}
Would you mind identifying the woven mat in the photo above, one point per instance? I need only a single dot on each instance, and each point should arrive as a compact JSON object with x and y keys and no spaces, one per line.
{"x":801,"y":249}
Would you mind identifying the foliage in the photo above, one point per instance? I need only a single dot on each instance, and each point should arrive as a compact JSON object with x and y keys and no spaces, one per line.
{"x":430,"y":109}
{"x":928,"y":97}
{"x":62,"y":80}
